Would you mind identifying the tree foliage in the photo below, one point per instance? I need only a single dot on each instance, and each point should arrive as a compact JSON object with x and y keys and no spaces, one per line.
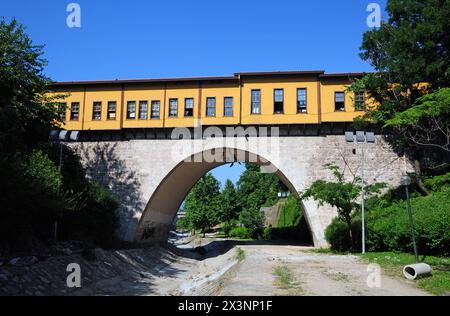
{"x":34,"y":195}
{"x":427,"y":122}
{"x":410,"y":53}
{"x":202,"y":205}
{"x":43,"y":171}
{"x":228,"y":203}
{"x":255,"y":190}
{"x":341,"y":194}
{"x":28,"y":113}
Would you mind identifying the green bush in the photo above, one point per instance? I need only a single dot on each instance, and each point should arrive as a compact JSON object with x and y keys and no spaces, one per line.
{"x":388,"y":229}
{"x":227,"y":227}
{"x":40,"y":169}
{"x":337,"y":236}
{"x":240,"y":232}
{"x":267,"y":233}
{"x":438,"y":183}
{"x":27,"y":213}
{"x":94,"y":220}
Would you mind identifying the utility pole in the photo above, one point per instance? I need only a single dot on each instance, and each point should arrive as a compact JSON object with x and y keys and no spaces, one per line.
{"x":363,"y":190}
{"x":361,"y":138}
{"x":406,"y":181}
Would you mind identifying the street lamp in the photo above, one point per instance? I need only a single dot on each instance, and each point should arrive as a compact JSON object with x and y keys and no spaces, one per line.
{"x":361,"y":138}
{"x":406,"y":181}
{"x":413,"y":271}
{"x":60,"y":137}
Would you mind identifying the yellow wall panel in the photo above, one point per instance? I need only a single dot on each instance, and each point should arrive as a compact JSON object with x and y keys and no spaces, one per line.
{"x":290,"y":115}
{"x":220,"y":91}
{"x":146,"y":93}
{"x":181,"y":93}
{"x":328,"y":105}
{"x":104,"y":96}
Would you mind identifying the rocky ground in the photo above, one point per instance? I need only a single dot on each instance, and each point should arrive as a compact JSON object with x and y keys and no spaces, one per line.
{"x":212,"y":269}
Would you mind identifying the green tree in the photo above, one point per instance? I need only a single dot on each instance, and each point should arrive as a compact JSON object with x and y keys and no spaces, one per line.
{"x":28,"y":207}
{"x":255,"y":190}
{"x":228,"y":203}
{"x":35,"y":194}
{"x":408,"y":50}
{"x":341,"y":194}
{"x":252,"y":218}
{"x":27,"y":115}
{"x":202,"y":205}
{"x":427,"y":123}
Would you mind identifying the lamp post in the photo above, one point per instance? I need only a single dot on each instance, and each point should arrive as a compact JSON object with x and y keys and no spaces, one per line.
{"x":361,"y":138}
{"x":406,"y":181}
{"x":60,"y":137}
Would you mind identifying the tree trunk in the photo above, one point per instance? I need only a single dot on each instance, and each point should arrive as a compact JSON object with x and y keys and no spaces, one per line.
{"x":418,"y":172}
{"x":350,"y":234}
{"x":348,"y":221}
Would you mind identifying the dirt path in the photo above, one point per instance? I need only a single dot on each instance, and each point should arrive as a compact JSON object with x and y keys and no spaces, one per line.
{"x":314,"y":274}
{"x":220,"y":274}
{"x":213,"y":271}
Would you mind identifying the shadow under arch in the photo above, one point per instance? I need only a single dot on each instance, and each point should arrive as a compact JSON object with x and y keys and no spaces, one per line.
{"x":157,"y":218}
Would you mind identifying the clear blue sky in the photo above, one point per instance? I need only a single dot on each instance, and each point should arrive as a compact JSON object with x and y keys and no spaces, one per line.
{"x":175,"y":38}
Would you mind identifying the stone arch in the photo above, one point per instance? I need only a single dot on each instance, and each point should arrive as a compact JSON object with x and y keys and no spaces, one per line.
{"x":165,"y":201}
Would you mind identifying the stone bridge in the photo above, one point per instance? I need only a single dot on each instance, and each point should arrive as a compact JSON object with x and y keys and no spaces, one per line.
{"x":152,"y":176}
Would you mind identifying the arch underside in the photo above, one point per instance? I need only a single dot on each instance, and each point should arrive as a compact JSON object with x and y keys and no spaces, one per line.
{"x":157,"y":218}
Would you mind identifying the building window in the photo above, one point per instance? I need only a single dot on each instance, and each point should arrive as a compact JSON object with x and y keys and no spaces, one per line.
{"x":210,"y":106}
{"x":131,"y":110}
{"x":75,"y":111}
{"x":173,"y":107}
{"x":278,"y":103}
{"x":228,"y":106}
{"x":112,"y":109}
{"x":97,"y":111}
{"x":360,"y":101}
{"x":256,"y":101}
{"x":143,"y":110}
{"x":62,"y":107}
{"x":301,"y":100}
{"x":339,"y":101}
{"x":156,"y":105}
{"x":188,"y":107}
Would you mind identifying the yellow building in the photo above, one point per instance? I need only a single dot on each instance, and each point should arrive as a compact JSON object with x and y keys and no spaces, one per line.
{"x":255,"y":98}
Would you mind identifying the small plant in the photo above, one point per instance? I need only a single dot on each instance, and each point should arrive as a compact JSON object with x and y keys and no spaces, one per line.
{"x":267,"y":233}
{"x":227,"y":227}
{"x":285,"y":279}
{"x":240,"y":254}
{"x":240,"y":233}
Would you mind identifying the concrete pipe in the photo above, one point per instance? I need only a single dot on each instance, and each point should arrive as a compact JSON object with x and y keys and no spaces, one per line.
{"x":415,"y":271}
